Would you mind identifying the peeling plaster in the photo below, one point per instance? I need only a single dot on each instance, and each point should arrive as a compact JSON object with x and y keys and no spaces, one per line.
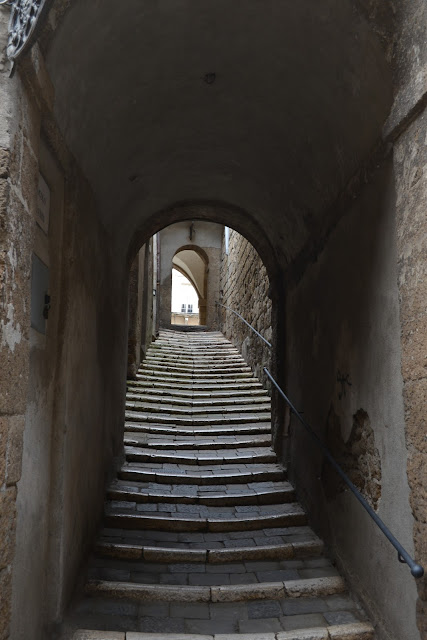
{"x":10,"y":335}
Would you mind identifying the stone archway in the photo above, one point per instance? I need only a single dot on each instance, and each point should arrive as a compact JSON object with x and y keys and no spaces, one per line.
{"x":193,"y":262}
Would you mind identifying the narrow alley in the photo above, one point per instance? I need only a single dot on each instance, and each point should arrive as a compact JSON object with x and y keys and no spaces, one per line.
{"x":202,"y":534}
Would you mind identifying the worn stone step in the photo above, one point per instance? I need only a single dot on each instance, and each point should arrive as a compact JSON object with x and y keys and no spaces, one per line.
{"x":187,"y":360}
{"x":177,"y":442}
{"x":293,"y":516}
{"x":201,"y":532}
{"x":251,"y":392}
{"x":201,"y":477}
{"x":313,"y":588}
{"x":213,"y":419}
{"x":189,"y":495}
{"x":191,"y":402}
{"x":194,"y":410}
{"x":277,"y":552}
{"x":203,"y":573}
{"x":247,"y":385}
{"x":302,"y":539}
{"x":199,"y":429}
{"x":196,"y":457}
{"x":206,"y":376}
{"x":195,"y":367}
{"x":347,"y":631}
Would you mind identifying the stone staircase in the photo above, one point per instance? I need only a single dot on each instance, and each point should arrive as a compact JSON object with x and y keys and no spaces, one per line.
{"x":203,"y":538}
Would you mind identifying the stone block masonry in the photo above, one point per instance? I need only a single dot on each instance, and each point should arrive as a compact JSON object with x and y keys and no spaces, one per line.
{"x":245,"y":288}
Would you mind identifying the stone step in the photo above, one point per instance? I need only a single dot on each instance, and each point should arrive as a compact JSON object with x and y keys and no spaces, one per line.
{"x":198,"y":429}
{"x":200,"y":376}
{"x":202,"y":573}
{"x":196,"y":457}
{"x":267,"y":473}
{"x":254,"y":394}
{"x":202,"y":534}
{"x":214,"y":419}
{"x":187,"y":352}
{"x":190,"y":495}
{"x":313,"y":588}
{"x":195,"y":403}
{"x":291,"y":515}
{"x":347,"y":631}
{"x":195,"y":367}
{"x":195,"y":411}
{"x":278,"y":552}
{"x":177,"y":442}
{"x":220,"y":359}
{"x":200,"y":350}
{"x":226,"y":540}
{"x":247,"y":385}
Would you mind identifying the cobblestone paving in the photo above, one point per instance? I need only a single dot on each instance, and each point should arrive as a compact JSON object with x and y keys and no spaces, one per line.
{"x":203,"y":538}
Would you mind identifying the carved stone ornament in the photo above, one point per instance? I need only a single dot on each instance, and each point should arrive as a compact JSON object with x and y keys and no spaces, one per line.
{"x":23,"y":19}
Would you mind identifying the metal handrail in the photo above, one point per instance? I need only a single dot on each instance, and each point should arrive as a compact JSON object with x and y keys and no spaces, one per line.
{"x":247,"y":323}
{"x":403,"y":556}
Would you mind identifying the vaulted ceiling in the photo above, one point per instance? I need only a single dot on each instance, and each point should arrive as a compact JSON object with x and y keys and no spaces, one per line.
{"x":268,"y":105}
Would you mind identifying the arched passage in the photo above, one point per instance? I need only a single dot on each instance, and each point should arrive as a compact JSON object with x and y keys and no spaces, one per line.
{"x":285,"y":135}
{"x":193,"y":263}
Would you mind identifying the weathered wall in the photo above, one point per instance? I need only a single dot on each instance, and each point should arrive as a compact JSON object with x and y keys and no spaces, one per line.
{"x":410,"y":161}
{"x":407,"y":128}
{"x":207,"y":237}
{"x":343,"y":333}
{"x":66,"y":425}
{"x":245,"y":288}
{"x":18,"y":152}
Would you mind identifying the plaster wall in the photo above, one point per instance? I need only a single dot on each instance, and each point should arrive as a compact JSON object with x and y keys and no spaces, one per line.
{"x":245,"y":288}
{"x":207,"y":237}
{"x":343,"y":333}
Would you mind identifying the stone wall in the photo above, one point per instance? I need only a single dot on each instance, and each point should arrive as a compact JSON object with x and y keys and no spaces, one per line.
{"x":245,"y":288}
{"x":207,"y":241}
{"x":141,"y":300}
{"x":410,"y":161}
{"x":18,"y":160}
{"x":60,"y":433}
{"x":343,"y":371}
